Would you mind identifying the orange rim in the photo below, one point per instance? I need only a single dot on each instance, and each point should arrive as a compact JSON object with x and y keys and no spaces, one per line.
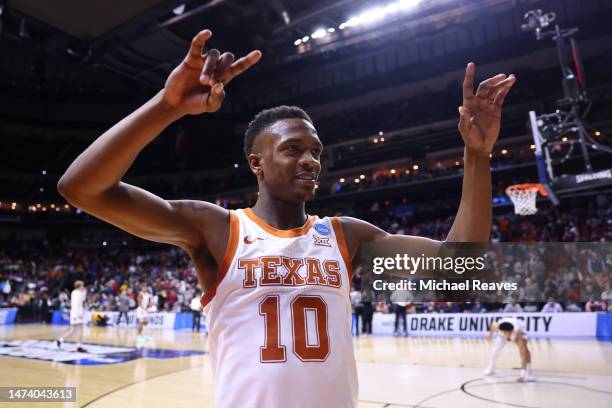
{"x":527,"y":186}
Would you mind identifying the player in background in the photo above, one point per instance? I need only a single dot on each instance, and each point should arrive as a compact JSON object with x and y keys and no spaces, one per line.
{"x":510,"y":329}
{"x":123,"y":301}
{"x":252,"y":364}
{"x":77,"y":316}
{"x":196,"y":312}
{"x":142,"y":312}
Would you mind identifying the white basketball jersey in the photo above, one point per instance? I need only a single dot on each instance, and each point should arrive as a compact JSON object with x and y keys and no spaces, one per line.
{"x":279,"y":317}
{"x":77,"y":297}
{"x":145,"y":300}
{"x":518,"y":326}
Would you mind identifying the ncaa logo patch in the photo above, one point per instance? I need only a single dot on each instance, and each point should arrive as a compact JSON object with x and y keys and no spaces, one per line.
{"x":322,"y":229}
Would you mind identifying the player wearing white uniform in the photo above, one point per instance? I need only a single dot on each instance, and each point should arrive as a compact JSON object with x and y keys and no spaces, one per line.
{"x":271,"y":341}
{"x":281,"y":309}
{"x":77,"y":315}
{"x":511,"y":329}
{"x":142,"y":312}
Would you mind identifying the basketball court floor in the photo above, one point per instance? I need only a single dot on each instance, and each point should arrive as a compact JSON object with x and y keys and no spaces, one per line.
{"x":173,"y":370}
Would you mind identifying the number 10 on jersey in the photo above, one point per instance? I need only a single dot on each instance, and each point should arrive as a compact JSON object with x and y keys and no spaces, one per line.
{"x":274,"y":351}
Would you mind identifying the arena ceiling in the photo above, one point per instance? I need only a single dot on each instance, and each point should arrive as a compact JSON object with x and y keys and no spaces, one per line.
{"x":141,"y":40}
{"x":88,"y":44}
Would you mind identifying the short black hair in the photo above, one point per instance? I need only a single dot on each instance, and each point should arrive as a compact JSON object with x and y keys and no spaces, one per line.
{"x":506,"y":326}
{"x":267,"y":118}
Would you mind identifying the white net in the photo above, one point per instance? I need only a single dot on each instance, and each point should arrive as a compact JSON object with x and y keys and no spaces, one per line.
{"x":523,"y":196}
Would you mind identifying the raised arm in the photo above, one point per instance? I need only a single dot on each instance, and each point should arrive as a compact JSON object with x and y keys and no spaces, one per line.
{"x":479,"y":125}
{"x":358,"y":232}
{"x":93,"y":181}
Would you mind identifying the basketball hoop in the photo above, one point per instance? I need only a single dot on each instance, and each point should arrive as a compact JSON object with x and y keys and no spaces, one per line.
{"x":523,"y":196}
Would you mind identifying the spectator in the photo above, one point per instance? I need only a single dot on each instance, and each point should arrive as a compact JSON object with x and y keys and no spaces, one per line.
{"x":513,"y":307}
{"x":368,"y":312}
{"x":124,"y":306}
{"x":572,"y":307}
{"x":196,"y":310}
{"x":595,"y":305}
{"x":531,"y":292}
{"x":357,"y":306}
{"x":606,"y":296}
{"x":552,"y":307}
{"x":477,"y":308}
{"x":400,"y":314}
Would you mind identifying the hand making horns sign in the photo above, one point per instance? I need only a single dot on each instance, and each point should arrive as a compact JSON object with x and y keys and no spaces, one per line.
{"x":197,"y":84}
{"x":480,"y":114}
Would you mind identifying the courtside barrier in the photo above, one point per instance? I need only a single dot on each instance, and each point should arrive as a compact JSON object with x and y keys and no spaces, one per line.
{"x":162,"y":320}
{"x":539,"y":325}
{"x":604,"y":326}
{"x":476,"y":324}
{"x":7,"y":316}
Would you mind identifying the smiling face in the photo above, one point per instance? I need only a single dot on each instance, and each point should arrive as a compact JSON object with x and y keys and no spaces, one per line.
{"x":287,"y":160}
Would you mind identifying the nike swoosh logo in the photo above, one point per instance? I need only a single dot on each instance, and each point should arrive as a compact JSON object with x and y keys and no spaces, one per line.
{"x":248,"y":241}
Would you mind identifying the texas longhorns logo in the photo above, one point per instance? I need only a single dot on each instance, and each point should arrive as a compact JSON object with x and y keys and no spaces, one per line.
{"x":321,"y":241}
{"x":248,"y":241}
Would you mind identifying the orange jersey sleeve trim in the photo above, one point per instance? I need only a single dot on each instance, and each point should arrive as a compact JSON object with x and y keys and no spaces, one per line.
{"x":230,"y":251}
{"x":295,"y":232}
{"x":343,"y":247}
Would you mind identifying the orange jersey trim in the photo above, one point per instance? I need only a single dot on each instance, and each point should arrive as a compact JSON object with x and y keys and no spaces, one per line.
{"x":230,"y":251}
{"x":343,"y":247}
{"x":295,"y":232}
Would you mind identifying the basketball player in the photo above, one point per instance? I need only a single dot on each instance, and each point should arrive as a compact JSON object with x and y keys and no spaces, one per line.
{"x":142,"y":311}
{"x":77,"y":316}
{"x":276,"y":280}
{"x":511,"y":329}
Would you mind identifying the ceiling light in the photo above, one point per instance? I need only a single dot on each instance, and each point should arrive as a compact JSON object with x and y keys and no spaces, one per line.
{"x":319,"y":33}
{"x":179,"y":10}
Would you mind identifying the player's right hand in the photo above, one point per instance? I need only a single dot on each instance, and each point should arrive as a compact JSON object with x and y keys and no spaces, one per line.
{"x":488,"y":337}
{"x":197,"y":84}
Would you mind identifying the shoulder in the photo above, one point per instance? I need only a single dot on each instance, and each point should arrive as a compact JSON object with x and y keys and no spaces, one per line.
{"x":355,"y":232}
{"x":360,"y":229}
{"x":202,"y":212}
{"x":213,"y":222}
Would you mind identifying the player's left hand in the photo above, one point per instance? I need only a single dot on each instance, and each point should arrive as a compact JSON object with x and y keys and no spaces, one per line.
{"x":480,"y":114}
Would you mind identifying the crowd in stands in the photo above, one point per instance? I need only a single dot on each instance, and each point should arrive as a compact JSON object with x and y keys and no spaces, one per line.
{"x":425,"y":108}
{"x":38,"y":275}
{"x":236,"y":179}
{"x":432,"y":106}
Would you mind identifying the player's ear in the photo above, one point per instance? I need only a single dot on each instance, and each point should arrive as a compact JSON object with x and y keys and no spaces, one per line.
{"x":255,"y":163}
